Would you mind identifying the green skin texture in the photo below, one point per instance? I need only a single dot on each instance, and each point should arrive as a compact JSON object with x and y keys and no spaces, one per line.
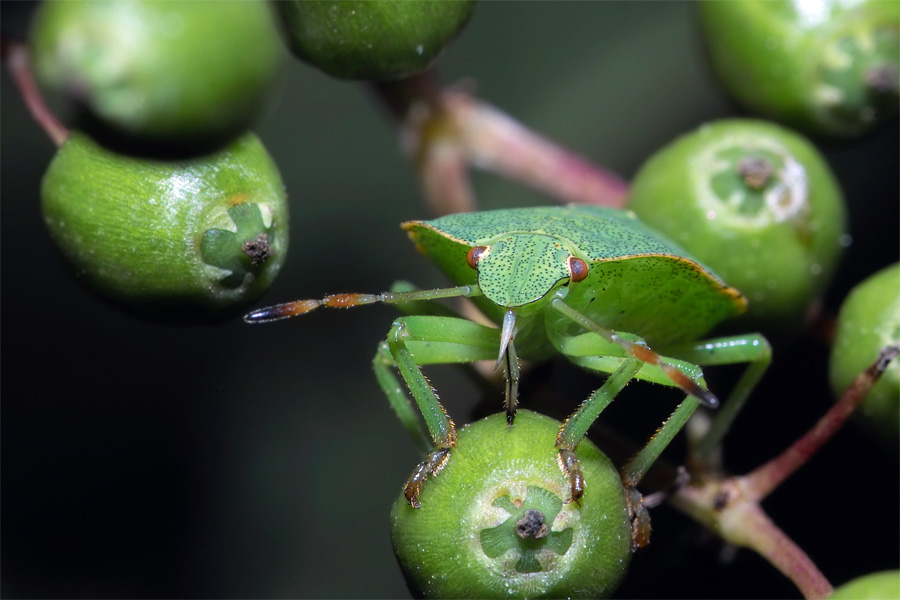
{"x":875,"y":586}
{"x":870,"y":320}
{"x":160,"y":69}
{"x":805,"y":67}
{"x":458,"y":507}
{"x":375,"y":41}
{"x":780,"y":255}
{"x":131,"y":229}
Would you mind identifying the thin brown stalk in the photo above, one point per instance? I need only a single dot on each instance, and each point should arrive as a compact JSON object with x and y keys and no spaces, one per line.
{"x":725,"y":507}
{"x":445,"y":131}
{"x":496,"y":142}
{"x":765,"y":478}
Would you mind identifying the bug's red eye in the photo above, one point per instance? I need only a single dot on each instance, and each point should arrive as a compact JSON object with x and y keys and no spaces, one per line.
{"x":578,"y":269}
{"x":474,"y":256}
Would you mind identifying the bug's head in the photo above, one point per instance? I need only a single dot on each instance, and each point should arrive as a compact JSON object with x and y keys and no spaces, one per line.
{"x":519,"y":270}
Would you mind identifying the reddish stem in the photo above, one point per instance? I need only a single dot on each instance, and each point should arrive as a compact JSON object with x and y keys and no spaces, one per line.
{"x":400,"y":96}
{"x":766,"y":538}
{"x":15,"y":55}
{"x":444,"y":174}
{"x":762,"y":480}
{"x":445,"y":131}
{"x":730,"y":507}
{"x":430,"y":138}
{"x":496,"y":142}
{"x":727,"y":508}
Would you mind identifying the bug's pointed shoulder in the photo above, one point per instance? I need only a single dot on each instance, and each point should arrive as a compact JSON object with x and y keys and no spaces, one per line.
{"x":412,"y":227}
{"x":425,"y":234}
{"x":437,"y":243}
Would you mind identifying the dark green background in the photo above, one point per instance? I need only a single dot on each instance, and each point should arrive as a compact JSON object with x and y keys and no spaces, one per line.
{"x":144,"y":460}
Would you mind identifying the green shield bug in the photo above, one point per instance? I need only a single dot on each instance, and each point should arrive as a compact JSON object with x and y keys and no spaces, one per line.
{"x":594,"y":284}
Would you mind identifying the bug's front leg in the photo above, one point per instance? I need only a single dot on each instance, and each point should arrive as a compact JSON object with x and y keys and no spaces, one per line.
{"x":413,"y":342}
{"x":440,"y":427}
{"x":431,"y":466}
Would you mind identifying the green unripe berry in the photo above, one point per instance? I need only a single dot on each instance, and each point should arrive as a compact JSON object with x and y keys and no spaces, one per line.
{"x":495,"y":522}
{"x":755,"y":202}
{"x":160,"y":69}
{"x":828,"y":67}
{"x":190,"y":239}
{"x":884,"y":585}
{"x":870,"y":320}
{"x":374,"y":40}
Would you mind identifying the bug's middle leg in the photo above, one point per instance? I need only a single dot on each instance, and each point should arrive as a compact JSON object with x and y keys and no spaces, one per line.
{"x":576,"y":426}
{"x":605,"y":355}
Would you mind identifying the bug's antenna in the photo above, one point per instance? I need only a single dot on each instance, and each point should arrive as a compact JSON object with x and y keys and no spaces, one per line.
{"x":281,"y":311}
{"x":301,"y":307}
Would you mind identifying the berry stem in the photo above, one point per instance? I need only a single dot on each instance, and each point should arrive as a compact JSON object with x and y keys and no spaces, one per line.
{"x":422,"y":90}
{"x":15,"y":55}
{"x":765,"y":478}
{"x":727,"y":508}
{"x":447,"y":130}
{"x":496,"y":142}
{"x":730,"y":506}
{"x":428,"y":135}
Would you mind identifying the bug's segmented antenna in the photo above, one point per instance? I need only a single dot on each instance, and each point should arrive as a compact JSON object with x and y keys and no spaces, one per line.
{"x":301,"y":307}
{"x":281,"y":311}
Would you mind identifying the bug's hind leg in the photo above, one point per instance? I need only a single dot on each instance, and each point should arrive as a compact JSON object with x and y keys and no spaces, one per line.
{"x":639,"y":464}
{"x":576,"y":427}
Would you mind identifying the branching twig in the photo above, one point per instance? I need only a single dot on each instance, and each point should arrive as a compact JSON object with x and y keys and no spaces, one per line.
{"x":730,"y":506}
{"x":496,"y":142}
{"x":726,"y":508}
{"x":446,"y":131}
